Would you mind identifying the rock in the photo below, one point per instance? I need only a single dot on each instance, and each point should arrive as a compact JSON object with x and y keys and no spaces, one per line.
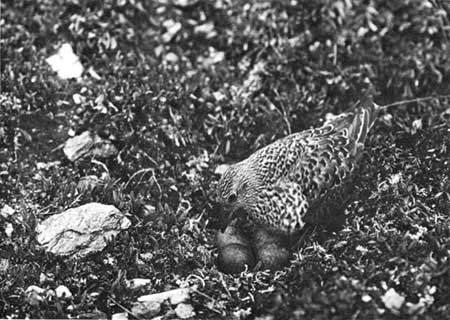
{"x":66,"y":63}
{"x":175,"y":296}
{"x":6,"y":211}
{"x":366,"y":298}
{"x":4,"y":265}
{"x":171,"y":57}
{"x":78,"y":98}
{"x":214,"y":57}
{"x":219,"y":96}
{"x":120,"y":316}
{"x":11,"y":215}
{"x":46,"y":278}
{"x":137,"y":283}
{"x":63,"y":292}
{"x":393,"y":300}
{"x":147,"y":256}
{"x":86,"y":144}
{"x":8,"y":229}
{"x":34,"y":295}
{"x":35,"y":289}
{"x":172,"y":28}
{"x":82,"y":230}
{"x":254,"y":80}
{"x":206,"y":29}
{"x":184,"y":311}
{"x":234,"y":258}
{"x":147,"y":309}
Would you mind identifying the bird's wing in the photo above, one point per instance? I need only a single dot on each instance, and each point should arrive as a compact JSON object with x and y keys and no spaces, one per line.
{"x":281,"y":207}
{"x":317,"y":159}
{"x":331,"y":152}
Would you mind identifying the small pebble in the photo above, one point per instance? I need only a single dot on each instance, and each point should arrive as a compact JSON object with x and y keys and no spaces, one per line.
{"x":63,"y":292}
{"x":147,"y":309}
{"x":184,"y":311}
{"x":137,"y":283}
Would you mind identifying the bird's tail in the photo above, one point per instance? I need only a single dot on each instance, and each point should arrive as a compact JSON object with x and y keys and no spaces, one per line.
{"x":365,"y":114}
{"x":357,"y":120}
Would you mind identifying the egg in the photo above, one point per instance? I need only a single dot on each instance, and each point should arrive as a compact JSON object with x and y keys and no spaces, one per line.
{"x":235,"y":252}
{"x":231,"y":235}
{"x":272,"y":250}
{"x":233,"y":258}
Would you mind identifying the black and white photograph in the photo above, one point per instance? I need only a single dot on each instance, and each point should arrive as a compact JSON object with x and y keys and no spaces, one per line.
{"x":225,"y":159}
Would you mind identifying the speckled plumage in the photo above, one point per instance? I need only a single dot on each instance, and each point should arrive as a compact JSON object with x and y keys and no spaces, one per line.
{"x":304,"y":173}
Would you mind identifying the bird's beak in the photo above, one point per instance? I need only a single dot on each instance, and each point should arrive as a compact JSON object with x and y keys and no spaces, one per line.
{"x":226,"y":215}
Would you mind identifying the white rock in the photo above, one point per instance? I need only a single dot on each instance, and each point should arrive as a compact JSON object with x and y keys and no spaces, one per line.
{"x":366,"y":298}
{"x":137,"y":283}
{"x":214,"y":57}
{"x":77,"y":98}
{"x":66,"y":63}
{"x":79,"y":146}
{"x":171,"y":57}
{"x":253,"y":82}
{"x":4,"y":265}
{"x":395,"y":178}
{"x":34,"y":295}
{"x":35,"y":289}
{"x":393,"y":301}
{"x":46,"y":277}
{"x":120,"y":316}
{"x":63,"y":292}
{"x":146,"y":309}
{"x":184,"y":311}
{"x":82,"y":230}
{"x":218,"y":96}
{"x":147,"y":256}
{"x":6,"y":211}
{"x":417,"y":124}
{"x":88,"y":143}
{"x":172,"y":29}
{"x":9,"y":229}
{"x":175,"y":296}
{"x":207,"y":29}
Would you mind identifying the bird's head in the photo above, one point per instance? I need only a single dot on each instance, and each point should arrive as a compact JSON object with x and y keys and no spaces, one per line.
{"x":236,"y":191}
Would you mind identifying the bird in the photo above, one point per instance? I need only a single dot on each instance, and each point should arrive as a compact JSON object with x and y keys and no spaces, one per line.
{"x":308,"y":173}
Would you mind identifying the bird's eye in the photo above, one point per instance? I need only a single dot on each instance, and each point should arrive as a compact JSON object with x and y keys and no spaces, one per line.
{"x":232,"y":197}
